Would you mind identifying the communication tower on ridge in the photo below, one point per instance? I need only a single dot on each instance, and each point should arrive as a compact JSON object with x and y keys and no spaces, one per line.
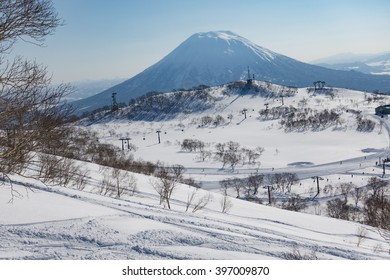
{"x":249,"y":80}
{"x":114,"y":106}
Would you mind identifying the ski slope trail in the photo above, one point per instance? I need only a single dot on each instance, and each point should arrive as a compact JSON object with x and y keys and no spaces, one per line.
{"x":59,"y":223}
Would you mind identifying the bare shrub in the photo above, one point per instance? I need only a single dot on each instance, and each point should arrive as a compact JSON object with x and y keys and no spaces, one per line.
{"x":295,"y":203}
{"x":296,"y":254}
{"x":58,"y":170}
{"x":202,"y":202}
{"x":67,"y":170}
{"x":346,"y":189}
{"x":361,"y":234}
{"x":192,"y":145}
{"x":364,"y":124}
{"x":106,"y":187}
{"x":338,"y":209}
{"x":206,"y":120}
{"x":328,"y":189}
{"x":191,"y":182}
{"x":377,"y":205}
{"x":117,"y":183}
{"x":80,"y":179}
{"x":48,"y":167}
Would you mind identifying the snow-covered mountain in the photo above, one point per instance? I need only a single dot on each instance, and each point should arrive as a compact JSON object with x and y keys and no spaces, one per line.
{"x":214,"y":58}
{"x":374,"y":64}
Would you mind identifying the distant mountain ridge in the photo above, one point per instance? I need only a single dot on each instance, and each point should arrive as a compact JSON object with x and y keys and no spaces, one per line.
{"x":369,"y":64}
{"x":219,"y":57}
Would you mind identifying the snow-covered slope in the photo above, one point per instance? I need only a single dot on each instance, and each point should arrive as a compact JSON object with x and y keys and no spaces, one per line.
{"x":63,"y":223}
{"x":215,"y":58}
{"x":282,"y":150}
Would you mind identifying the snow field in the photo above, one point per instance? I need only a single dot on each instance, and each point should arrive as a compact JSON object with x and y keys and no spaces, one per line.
{"x":64,"y":223}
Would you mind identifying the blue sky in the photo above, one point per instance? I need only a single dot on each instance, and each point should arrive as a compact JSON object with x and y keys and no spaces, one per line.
{"x":105,"y":39}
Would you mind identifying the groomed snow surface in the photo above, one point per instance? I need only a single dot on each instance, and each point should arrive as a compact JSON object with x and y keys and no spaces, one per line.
{"x":59,"y":223}
{"x":51,"y":222}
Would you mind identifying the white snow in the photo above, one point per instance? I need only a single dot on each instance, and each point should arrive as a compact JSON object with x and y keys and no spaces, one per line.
{"x":82,"y":225}
{"x":51,"y":222}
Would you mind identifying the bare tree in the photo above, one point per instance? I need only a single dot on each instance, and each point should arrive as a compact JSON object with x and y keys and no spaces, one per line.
{"x":253,"y":183}
{"x":226,"y":204}
{"x":118,"y":176}
{"x":125,"y":184}
{"x":225,"y":185}
{"x":30,"y":109}
{"x":232,"y":155}
{"x":168,"y":178}
{"x":346,"y":189}
{"x":220,"y":151}
{"x":27,"y":19}
{"x":204,"y":155}
{"x":228,"y":153}
{"x":357,"y":194}
{"x":283,"y":181}
{"x":191,"y":197}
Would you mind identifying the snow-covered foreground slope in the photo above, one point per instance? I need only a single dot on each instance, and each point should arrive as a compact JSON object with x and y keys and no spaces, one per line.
{"x":62,"y":223}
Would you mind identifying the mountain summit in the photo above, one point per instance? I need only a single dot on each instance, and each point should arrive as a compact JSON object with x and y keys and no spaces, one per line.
{"x":218,"y":57}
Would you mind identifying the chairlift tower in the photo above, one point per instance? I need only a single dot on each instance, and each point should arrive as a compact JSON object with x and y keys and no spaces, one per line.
{"x":269,"y":193}
{"x":125,"y":141}
{"x":318,"y":185}
{"x":386,"y":160}
{"x":244,"y":112}
{"x":158,"y":135}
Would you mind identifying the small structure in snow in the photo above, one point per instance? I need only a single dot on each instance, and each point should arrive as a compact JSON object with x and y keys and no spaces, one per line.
{"x":382,"y":110}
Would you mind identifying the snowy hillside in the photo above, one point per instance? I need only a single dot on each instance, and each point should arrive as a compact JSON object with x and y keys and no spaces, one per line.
{"x":196,"y":119}
{"x":216,"y":58}
{"x":330,"y":133}
{"x":347,"y":149}
{"x":64,"y":223}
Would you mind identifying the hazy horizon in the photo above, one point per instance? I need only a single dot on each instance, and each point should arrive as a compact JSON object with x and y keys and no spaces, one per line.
{"x":104,"y":40}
